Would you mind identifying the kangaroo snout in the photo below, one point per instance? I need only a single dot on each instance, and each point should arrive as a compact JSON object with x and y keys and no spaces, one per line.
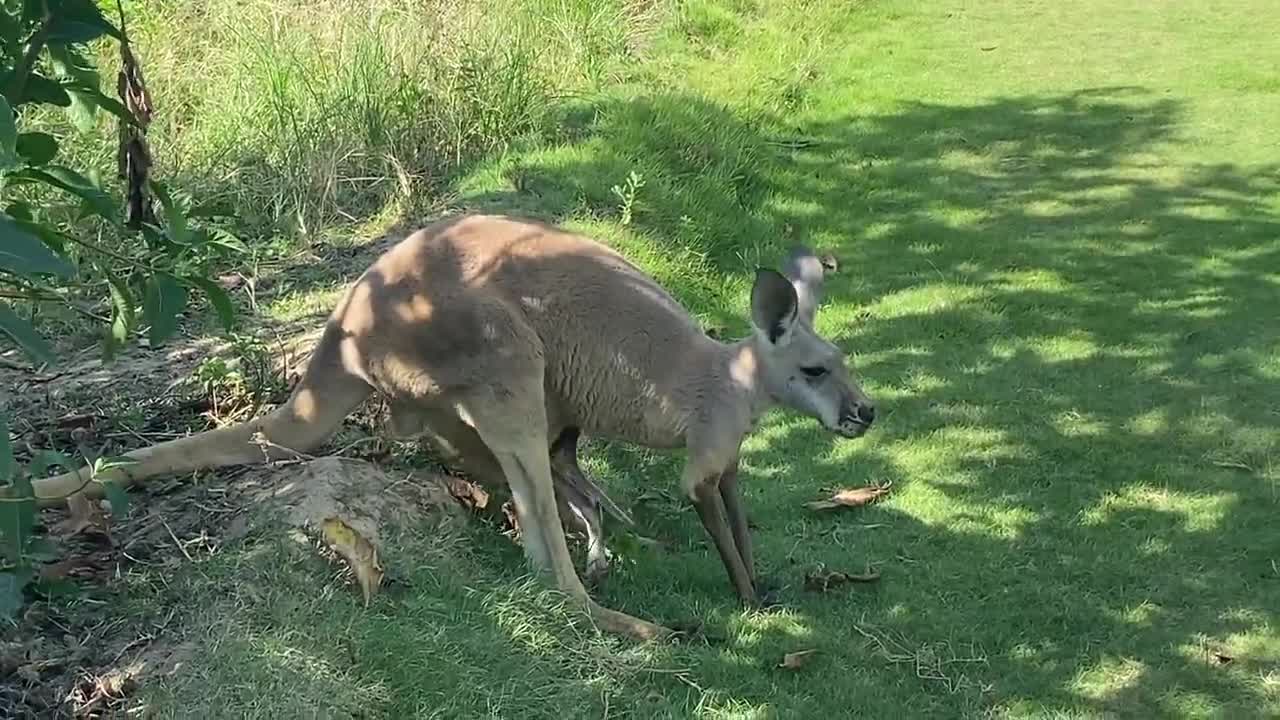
{"x":856,"y":419}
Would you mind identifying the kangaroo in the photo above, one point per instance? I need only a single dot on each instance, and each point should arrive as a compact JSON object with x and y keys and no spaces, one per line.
{"x":579,"y":498}
{"x":494,"y":334}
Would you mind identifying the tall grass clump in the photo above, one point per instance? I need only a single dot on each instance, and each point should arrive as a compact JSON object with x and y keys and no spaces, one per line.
{"x":306,"y":119}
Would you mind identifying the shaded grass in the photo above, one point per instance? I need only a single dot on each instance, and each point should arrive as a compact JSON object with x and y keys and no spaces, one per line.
{"x":452,"y":636}
{"x":1059,"y":255}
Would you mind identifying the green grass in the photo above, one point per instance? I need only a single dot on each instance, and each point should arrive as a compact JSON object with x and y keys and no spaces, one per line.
{"x":1060,"y":225}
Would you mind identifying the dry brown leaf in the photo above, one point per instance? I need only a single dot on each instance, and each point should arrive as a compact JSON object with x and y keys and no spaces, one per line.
{"x":468,"y":493}
{"x":851,"y":497}
{"x":359,"y":553}
{"x":61,"y":569}
{"x":822,"y":581}
{"x":85,"y":516}
{"x":1222,"y":658}
{"x":511,"y":517}
{"x":796,"y":660}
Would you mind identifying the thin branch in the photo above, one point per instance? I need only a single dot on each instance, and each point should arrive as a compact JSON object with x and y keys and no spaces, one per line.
{"x":43,"y":296}
{"x":109,"y":253}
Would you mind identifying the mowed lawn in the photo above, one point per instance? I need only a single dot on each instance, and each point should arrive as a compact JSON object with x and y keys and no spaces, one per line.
{"x":1059,"y":233}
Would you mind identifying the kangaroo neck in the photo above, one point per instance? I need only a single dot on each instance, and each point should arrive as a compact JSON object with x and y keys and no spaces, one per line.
{"x":742,"y":375}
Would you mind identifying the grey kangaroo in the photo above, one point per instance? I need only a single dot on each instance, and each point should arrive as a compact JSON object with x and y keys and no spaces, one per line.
{"x":494,"y":335}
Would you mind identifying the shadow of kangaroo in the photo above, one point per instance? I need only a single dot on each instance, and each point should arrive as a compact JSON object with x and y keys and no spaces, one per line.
{"x":495,"y":334}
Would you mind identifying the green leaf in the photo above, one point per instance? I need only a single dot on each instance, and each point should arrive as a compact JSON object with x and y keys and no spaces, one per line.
{"x":21,"y":332}
{"x":17,"y":519}
{"x":174,"y":213}
{"x":42,"y":460}
{"x":12,"y":583}
{"x":36,"y":148}
{"x":23,"y":253}
{"x":6,"y":451}
{"x":163,"y":300}
{"x":11,"y":25}
{"x":76,"y":184}
{"x":8,"y":137}
{"x":219,"y":299}
{"x":221,"y":238}
{"x":122,"y":318}
{"x":18,"y":210}
{"x":84,"y":85}
{"x":118,"y":498}
{"x":77,"y":21}
{"x":111,"y":105}
{"x":155,"y":239}
{"x":55,"y":588}
{"x":42,"y":550}
{"x":210,"y":209}
{"x":52,"y":239}
{"x":111,"y":462}
{"x":40,"y":89}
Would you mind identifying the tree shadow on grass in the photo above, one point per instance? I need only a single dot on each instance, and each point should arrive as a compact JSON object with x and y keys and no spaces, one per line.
{"x":1068,"y":333}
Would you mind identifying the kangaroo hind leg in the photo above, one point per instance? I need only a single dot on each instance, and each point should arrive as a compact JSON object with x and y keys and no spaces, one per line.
{"x":510,"y":418}
{"x":327,"y":393}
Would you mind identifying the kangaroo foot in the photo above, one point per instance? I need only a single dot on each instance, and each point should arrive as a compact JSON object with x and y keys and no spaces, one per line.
{"x":768,"y":593}
{"x":620,"y":623}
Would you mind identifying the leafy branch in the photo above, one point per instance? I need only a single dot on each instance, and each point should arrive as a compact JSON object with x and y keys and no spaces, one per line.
{"x":64,"y":240}
{"x":47,"y":255}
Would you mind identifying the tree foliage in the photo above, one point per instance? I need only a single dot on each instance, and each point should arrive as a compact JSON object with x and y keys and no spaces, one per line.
{"x":66,"y":238}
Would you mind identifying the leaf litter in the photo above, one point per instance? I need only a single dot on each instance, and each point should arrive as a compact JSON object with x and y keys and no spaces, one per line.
{"x":822,"y":580}
{"x":851,"y":497}
{"x":796,"y":660}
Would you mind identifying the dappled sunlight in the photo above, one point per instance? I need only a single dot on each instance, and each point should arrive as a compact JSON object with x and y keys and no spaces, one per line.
{"x":750,"y":630}
{"x":1201,"y":512}
{"x":1109,"y":677}
{"x":1077,"y":424}
{"x":924,"y":300}
{"x":1042,"y":280}
{"x":1062,"y":331}
{"x":1074,"y":347}
{"x":277,"y":651}
{"x":1143,"y":613}
{"x":714,"y":708}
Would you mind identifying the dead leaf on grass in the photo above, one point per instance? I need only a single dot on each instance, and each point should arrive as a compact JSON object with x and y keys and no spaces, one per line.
{"x":61,"y":569}
{"x":1222,"y":658}
{"x":851,"y":497}
{"x":796,"y":660}
{"x":822,"y":580}
{"x":359,"y":553}
{"x":471,"y":495}
{"x":85,"y":517}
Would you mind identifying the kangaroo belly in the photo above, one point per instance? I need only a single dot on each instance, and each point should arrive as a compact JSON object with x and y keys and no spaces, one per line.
{"x":624,"y":379}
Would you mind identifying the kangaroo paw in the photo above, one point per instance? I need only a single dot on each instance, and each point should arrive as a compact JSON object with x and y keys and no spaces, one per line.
{"x":619,"y":623}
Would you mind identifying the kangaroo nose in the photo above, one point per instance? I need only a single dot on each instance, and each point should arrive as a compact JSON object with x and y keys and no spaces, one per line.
{"x":867,"y":413}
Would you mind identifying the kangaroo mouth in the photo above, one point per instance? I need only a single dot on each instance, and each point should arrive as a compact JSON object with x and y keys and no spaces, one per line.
{"x":851,"y":427}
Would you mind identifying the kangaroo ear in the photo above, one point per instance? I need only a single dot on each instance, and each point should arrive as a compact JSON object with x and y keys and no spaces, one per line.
{"x":774,"y":305}
{"x":805,"y":271}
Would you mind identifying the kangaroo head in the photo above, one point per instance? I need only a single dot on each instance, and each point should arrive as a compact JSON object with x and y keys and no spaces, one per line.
{"x":801,"y":369}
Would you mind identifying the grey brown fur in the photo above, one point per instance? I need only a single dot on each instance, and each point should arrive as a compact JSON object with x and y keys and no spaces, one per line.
{"x":494,"y":334}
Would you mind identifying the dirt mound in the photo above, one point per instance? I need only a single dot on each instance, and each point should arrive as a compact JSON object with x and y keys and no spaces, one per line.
{"x":63,"y":663}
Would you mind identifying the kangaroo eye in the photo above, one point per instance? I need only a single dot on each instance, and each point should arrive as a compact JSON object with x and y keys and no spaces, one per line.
{"x":814,"y":372}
